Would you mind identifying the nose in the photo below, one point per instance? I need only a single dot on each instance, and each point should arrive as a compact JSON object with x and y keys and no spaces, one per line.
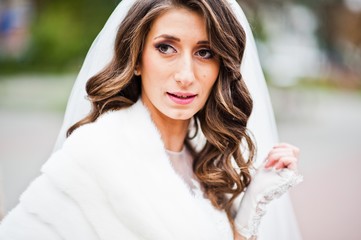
{"x":184,"y":76}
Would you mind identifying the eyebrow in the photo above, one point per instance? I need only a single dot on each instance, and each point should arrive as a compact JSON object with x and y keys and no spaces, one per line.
{"x":166,"y":36}
{"x":170,"y":37}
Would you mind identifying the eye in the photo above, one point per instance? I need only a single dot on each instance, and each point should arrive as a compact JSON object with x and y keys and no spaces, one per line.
{"x":165,"y":48}
{"x":205,"y":53}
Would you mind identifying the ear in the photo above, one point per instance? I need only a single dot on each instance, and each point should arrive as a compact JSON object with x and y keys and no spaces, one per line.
{"x":137,"y":71}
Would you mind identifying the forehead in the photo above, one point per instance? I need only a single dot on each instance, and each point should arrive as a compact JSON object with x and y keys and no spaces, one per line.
{"x":180,"y":22}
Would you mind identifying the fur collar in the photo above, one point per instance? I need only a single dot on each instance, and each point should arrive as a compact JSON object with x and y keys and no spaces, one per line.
{"x":117,"y":171}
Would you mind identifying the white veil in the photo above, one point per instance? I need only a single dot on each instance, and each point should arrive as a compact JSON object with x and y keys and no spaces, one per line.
{"x":279,"y":223}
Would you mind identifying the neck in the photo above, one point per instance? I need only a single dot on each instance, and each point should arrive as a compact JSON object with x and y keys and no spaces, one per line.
{"x":173,"y":132}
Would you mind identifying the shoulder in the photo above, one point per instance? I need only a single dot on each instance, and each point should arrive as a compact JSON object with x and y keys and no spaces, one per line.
{"x":40,"y":213}
{"x":111,"y":130}
{"x":31,"y":226}
{"x":89,"y":138}
{"x":115,"y":120}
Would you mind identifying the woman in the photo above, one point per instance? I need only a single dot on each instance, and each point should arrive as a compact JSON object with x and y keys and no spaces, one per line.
{"x":165,"y":151}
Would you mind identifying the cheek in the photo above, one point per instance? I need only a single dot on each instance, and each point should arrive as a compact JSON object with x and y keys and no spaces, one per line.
{"x":208,"y":84}
{"x":146,"y":72}
{"x":150,"y":62}
{"x":147,"y":64}
{"x":210,"y":77}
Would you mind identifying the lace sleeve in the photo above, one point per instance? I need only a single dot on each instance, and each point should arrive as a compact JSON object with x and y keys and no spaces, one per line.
{"x":255,"y":201}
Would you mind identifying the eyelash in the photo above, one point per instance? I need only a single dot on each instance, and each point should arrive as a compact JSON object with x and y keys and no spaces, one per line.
{"x":210,"y":52}
{"x":164,"y":45}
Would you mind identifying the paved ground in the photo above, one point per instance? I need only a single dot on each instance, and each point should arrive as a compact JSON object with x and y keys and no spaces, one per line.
{"x":327,"y":127}
{"x":325,"y":124}
{"x":31,"y":112}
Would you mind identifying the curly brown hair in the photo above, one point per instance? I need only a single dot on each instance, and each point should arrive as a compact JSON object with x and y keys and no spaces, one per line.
{"x":220,"y":165}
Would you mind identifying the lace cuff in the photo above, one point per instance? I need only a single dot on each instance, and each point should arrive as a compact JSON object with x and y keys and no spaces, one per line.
{"x":284,"y":179}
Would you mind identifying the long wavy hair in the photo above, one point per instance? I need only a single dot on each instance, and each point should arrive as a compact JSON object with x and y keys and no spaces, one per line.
{"x":220,"y":165}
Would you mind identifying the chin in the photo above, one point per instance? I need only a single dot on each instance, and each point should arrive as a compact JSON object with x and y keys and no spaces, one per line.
{"x":181,"y":115}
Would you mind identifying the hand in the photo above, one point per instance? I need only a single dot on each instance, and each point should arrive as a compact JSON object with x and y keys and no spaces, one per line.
{"x":283,"y":155}
{"x":271,"y":181}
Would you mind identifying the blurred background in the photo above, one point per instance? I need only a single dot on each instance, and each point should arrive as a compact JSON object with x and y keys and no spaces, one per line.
{"x":311,"y":56}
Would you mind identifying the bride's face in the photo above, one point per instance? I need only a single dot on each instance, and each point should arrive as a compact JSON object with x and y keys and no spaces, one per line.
{"x":177,"y":68}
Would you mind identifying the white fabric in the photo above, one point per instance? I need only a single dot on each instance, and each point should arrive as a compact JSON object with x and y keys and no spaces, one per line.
{"x":266,"y":186}
{"x":279,"y":223}
{"x":100,"y":186}
{"x":182,"y":163}
{"x":99,"y":55}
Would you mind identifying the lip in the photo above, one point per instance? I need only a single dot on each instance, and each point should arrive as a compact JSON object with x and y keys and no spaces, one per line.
{"x":181,"y":97}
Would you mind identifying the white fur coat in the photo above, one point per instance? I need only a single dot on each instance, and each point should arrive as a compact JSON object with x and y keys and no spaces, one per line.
{"x":112,"y":180}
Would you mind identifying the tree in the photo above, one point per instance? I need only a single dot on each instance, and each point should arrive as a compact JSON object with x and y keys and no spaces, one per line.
{"x":61,"y":33}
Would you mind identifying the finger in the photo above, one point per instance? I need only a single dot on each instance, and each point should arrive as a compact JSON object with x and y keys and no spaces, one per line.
{"x":286,"y":162}
{"x":271,"y":162}
{"x":281,"y":152}
{"x":275,"y":155}
{"x":294,"y":149}
{"x":279,"y":165}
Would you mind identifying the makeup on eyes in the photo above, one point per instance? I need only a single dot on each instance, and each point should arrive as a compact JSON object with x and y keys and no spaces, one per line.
{"x":165,"y":47}
{"x":159,"y":46}
{"x":167,"y":42}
